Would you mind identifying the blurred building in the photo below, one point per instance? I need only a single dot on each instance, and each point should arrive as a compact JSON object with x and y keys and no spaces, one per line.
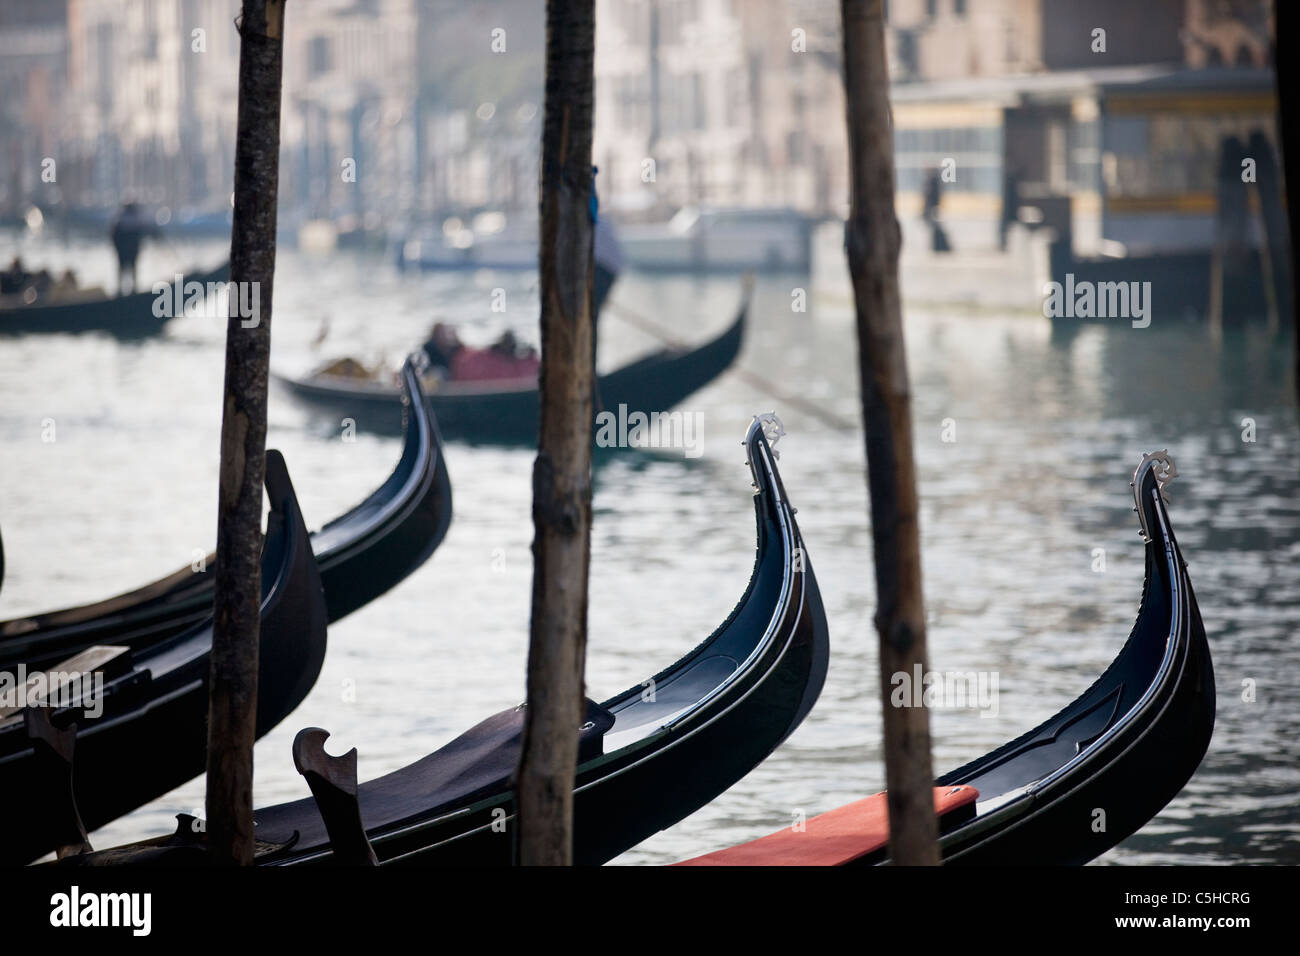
{"x":1097,"y":116}
{"x":33,"y":75}
{"x":1101,"y":120}
{"x":148,"y":113}
{"x":1229,"y":33}
{"x":1102,"y":117}
{"x":479,"y":105}
{"x":349,"y":134}
{"x":136,"y":99}
{"x":730,"y":102}
{"x":955,"y":39}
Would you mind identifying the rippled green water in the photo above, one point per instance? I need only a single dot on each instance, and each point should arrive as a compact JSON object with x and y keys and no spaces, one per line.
{"x":1047,"y":435}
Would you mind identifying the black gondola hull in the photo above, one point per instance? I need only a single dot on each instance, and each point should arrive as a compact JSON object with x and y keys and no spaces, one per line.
{"x":621,"y":801}
{"x":128,"y":316}
{"x":671,"y":744}
{"x":152,"y":735}
{"x":657,"y":382}
{"x":1086,"y":778}
{"x":1139,"y":774}
{"x":360,"y":556}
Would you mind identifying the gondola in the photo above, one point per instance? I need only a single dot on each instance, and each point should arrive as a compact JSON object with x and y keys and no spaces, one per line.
{"x":144,"y":732}
{"x":506,"y":412}
{"x":647,"y":757}
{"x":1079,"y":783}
{"x":361,"y":555}
{"x":128,"y":316}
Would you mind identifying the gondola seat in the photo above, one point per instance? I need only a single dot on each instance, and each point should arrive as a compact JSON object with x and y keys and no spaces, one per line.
{"x":836,"y":837}
{"x":487,"y":754}
{"x":108,"y":661}
{"x":479,"y":762}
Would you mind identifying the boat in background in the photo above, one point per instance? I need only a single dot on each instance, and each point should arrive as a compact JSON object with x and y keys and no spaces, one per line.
{"x":717,"y":239}
{"x":92,"y":310}
{"x":189,"y":223}
{"x":1079,"y":783}
{"x":696,"y":239}
{"x":507,"y":411}
{"x":488,"y":241}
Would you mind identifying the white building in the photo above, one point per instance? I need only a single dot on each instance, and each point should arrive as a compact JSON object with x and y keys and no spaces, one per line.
{"x":348,"y":126}
{"x":149,"y":111}
{"x":732,"y":102}
{"x":33,"y":74}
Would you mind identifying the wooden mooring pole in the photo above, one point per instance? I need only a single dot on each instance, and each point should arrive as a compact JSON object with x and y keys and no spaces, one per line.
{"x":872,"y":237}
{"x":232,"y":702}
{"x":557,"y":644}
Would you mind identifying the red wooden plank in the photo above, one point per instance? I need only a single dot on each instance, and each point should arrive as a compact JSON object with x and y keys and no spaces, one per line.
{"x":833,"y":838}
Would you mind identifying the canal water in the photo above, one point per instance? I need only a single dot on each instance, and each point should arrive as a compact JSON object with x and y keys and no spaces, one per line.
{"x":1033,"y":565}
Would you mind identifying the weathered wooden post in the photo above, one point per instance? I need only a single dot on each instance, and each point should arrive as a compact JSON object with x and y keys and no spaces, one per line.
{"x":232,"y":702}
{"x":872,"y":237}
{"x":1273,"y":254}
{"x":557,"y":644}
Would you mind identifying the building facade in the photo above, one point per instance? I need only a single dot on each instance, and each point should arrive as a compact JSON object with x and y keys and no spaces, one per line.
{"x":1075,"y":110}
{"x":401,"y":109}
{"x":34,"y":76}
{"x":728,"y":102}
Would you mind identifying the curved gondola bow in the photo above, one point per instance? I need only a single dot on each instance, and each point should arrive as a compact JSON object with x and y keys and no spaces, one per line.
{"x":1077,"y":784}
{"x":647,"y":757}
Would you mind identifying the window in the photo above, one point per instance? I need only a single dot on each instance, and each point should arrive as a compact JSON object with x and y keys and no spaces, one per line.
{"x":978,"y":151}
{"x":318,"y":56}
{"x":1168,"y":153}
{"x":794,"y":148}
{"x":698,"y":104}
{"x":737,"y":93}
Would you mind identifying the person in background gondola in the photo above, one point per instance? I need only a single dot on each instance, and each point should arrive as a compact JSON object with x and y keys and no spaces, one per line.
{"x":1010,"y":204}
{"x":506,"y":357}
{"x":128,"y":233}
{"x":441,"y":349}
{"x":609,"y":260}
{"x":13,"y":278}
{"x":508,"y":346}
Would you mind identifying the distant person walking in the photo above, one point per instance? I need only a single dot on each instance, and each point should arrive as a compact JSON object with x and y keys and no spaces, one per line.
{"x":1010,"y":204}
{"x":128,"y":234}
{"x":931,"y":194}
{"x":14,"y":278}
